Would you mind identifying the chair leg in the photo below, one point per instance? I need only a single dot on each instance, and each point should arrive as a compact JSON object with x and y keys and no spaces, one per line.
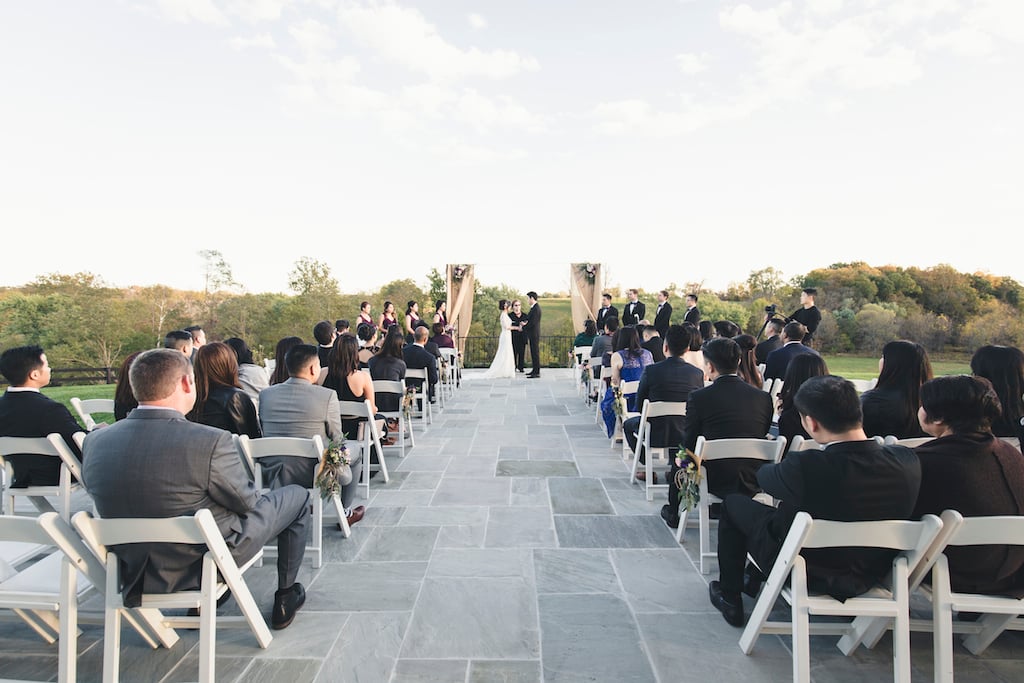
{"x":901,"y":623}
{"x":992,"y":625}
{"x":346,"y":530}
{"x":801,"y":626}
{"x":112,"y":623}
{"x":208,"y":621}
{"x":942,"y":622}
{"x":317,"y":547}
{"x":704,"y":519}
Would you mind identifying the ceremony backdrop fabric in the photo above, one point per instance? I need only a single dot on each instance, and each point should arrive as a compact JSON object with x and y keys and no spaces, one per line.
{"x":585,"y":295}
{"x":460,"y":301}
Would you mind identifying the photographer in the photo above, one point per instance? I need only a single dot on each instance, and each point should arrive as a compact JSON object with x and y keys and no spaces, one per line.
{"x":808,"y":315}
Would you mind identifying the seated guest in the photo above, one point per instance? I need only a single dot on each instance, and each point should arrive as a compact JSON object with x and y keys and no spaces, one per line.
{"x":587,"y":336}
{"x":179,"y":340}
{"x":417,"y":357}
{"x":672,"y":379}
{"x":251,"y":377}
{"x":968,"y":469}
{"x":280,"y":373}
{"x":1004,"y":367}
{"x":366,"y":336}
{"x":349,"y":382}
{"x":695,"y":355}
{"x":652,"y":341}
{"x":26,"y":412}
{"x":800,"y":369}
{"x":773,"y":330}
{"x":441,"y":338}
{"x":728,"y":409}
{"x":747,"y":370}
{"x":829,"y":484}
{"x":792,"y":346}
{"x":298,"y":407}
{"x":890,"y":409}
{"x":124,"y":399}
{"x":389,"y":364}
{"x":627,"y":365}
{"x":325,"y":334}
{"x":155,"y":463}
{"x":342,"y":326}
{"x":707,"y":329}
{"x":726,"y":328}
{"x":220,"y":401}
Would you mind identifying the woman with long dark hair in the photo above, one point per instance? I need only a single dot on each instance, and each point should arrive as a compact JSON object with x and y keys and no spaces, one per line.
{"x":1003,"y":366}
{"x":890,"y":409}
{"x":748,"y":362}
{"x":412,"y":320}
{"x":350,"y":383}
{"x":627,"y":364}
{"x":801,"y":368}
{"x":124,"y":399}
{"x":220,"y":400}
{"x":251,"y":377}
{"x":280,"y":373}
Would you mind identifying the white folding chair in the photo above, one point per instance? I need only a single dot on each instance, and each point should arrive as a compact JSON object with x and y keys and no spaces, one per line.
{"x":596,"y":386}
{"x":449,"y":375}
{"x":70,"y":476}
{"x":912,"y":442}
{"x":910,"y":539}
{"x":368,"y":440}
{"x":862,"y":385}
{"x":295,"y":447}
{"x":421,"y":407}
{"x":626,"y":388}
{"x":88,"y":407}
{"x":774,"y":388}
{"x":580,"y":357}
{"x":387,"y":386}
{"x":652,"y":410}
{"x":767,"y":450}
{"x":801,"y":443}
{"x":220,"y":573}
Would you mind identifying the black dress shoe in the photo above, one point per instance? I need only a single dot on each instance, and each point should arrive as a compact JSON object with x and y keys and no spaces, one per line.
{"x":752,"y":580}
{"x":533,"y":376}
{"x":287,"y":602}
{"x":670,"y":516}
{"x":731,"y":607}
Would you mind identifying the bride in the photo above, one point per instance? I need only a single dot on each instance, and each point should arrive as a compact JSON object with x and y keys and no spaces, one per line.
{"x":504,"y":363}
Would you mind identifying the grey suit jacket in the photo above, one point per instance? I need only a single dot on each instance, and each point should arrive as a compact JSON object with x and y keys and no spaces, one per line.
{"x":155,"y":463}
{"x":297,"y":408}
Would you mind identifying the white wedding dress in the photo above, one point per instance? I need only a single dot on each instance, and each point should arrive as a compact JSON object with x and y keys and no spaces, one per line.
{"x":504,"y":363}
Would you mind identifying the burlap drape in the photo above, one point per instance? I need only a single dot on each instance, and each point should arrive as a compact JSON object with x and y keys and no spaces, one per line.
{"x":585,"y":295}
{"x":460,"y":302}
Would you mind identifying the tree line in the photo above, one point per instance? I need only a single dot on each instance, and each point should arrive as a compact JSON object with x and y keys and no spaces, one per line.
{"x":82,"y":321}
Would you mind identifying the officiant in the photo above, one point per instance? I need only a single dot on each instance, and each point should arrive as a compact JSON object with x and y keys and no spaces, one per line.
{"x":518,"y":336}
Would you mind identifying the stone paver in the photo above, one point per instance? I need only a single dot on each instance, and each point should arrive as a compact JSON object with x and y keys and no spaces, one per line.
{"x":508,"y":546}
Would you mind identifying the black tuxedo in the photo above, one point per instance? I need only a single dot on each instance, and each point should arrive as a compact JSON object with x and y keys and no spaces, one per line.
{"x":656,"y":345}
{"x":533,"y":336}
{"x":692,"y":316}
{"x":32,"y":414}
{"x":728,"y":409}
{"x":778,"y":360}
{"x":672,"y":379}
{"x":762,"y":350}
{"x":417,"y":358}
{"x":847,"y":481}
{"x":518,"y":340}
{"x":605,"y":313}
{"x":633,"y":313}
{"x":663,"y":318}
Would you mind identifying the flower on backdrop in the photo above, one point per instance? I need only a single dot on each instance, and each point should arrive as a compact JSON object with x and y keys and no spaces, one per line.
{"x":588,"y":271}
{"x":459,"y":272}
{"x":336,"y":459}
{"x":688,"y":478}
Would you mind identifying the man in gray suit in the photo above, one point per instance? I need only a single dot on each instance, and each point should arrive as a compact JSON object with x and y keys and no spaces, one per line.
{"x":155,"y":463}
{"x":299,"y":407}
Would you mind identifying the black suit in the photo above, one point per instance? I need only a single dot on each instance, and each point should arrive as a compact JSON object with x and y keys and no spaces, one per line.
{"x":728,"y":409}
{"x":633,"y":313}
{"x":518,"y":340}
{"x":672,"y":379}
{"x":762,"y":350}
{"x":778,"y":360}
{"x":848,"y":481}
{"x":533,"y":335}
{"x":663,"y":318}
{"x":417,"y":358}
{"x":605,"y":313}
{"x":31,"y":414}
{"x":692,"y":316}
{"x":656,"y":345}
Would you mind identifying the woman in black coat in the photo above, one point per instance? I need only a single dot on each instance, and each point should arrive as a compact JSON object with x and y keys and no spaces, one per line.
{"x":220,"y":400}
{"x":890,"y":409}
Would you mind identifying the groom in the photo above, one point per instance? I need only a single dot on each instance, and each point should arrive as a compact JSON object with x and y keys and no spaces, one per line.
{"x":533,"y":333}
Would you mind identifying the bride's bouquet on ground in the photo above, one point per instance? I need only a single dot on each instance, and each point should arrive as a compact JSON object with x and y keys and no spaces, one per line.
{"x":619,"y":403}
{"x":688,"y":478}
{"x":335,"y":469}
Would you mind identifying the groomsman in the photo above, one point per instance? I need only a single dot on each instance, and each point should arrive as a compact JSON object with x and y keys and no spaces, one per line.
{"x":606,"y":311}
{"x":635,"y":309}
{"x":692,"y":312}
{"x":663,"y":316}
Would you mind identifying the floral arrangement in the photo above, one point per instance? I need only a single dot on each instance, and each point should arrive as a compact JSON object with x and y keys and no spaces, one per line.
{"x":588,"y":271}
{"x":336,"y":457}
{"x":459,"y":272}
{"x":688,"y":478}
{"x":407,"y":401}
{"x":619,"y":403}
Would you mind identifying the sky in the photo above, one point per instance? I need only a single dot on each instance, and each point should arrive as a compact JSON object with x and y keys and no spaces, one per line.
{"x":672,"y":141}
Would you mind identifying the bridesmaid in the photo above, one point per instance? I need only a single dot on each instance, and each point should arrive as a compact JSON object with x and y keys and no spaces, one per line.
{"x":412,"y":319}
{"x":364,"y":315}
{"x":387,"y":318}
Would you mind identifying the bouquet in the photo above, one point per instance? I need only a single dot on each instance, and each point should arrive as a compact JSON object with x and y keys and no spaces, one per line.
{"x":335,"y":470}
{"x":619,"y":403}
{"x":688,"y":478}
{"x":407,"y":401}
{"x":588,"y":271}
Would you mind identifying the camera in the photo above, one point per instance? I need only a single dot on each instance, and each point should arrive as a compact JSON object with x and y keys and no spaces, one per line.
{"x":770,"y":309}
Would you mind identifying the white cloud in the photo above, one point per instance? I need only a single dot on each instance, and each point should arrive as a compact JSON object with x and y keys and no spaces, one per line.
{"x":691,"y":64}
{"x":966,"y":42}
{"x":202,"y":11}
{"x":824,"y":6}
{"x":313,"y":37}
{"x":477,"y":21}
{"x":263,"y":40}
{"x":254,"y":11}
{"x":404,"y":36}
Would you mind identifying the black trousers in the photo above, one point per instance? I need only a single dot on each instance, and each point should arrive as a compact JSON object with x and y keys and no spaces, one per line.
{"x":535,"y":353}
{"x":519,"y":349}
{"x":743,"y":527}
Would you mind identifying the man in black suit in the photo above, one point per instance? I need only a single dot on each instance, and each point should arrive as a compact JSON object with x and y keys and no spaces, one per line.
{"x":773,"y":328}
{"x":417,"y":357}
{"x":853,"y":479}
{"x":325,"y":333}
{"x":792,"y":345}
{"x":518,"y":336}
{"x":808,"y":314}
{"x":652,"y":341}
{"x":26,"y":412}
{"x":634,"y":310}
{"x":728,"y":409}
{"x":663,"y":315}
{"x":606,"y":311}
{"x":692,"y":312}
{"x":672,"y":379}
{"x":533,"y":333}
